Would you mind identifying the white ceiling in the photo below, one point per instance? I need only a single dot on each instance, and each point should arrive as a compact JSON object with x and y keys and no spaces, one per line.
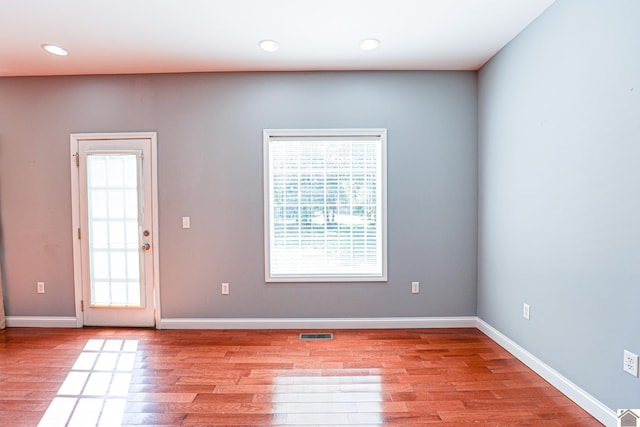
{"x":165,"y":36}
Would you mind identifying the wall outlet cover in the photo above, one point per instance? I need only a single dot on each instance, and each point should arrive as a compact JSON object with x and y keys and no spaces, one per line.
{"x":415,"y":287}
{"x":630,"y":363}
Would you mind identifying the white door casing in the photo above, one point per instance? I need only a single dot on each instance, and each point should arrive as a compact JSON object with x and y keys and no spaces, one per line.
{"x":107,"y":269}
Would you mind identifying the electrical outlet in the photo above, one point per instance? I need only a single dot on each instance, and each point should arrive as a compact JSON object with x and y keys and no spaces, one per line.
{"x":415,"y":287}
{"x":630,"y":363}
{"x":40,"y":288}
{"x":526,"y":311}
{"x":225,"y":289}
{"x":186,"y":222}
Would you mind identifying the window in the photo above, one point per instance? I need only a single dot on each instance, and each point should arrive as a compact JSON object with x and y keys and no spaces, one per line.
{"x":325,"y":205}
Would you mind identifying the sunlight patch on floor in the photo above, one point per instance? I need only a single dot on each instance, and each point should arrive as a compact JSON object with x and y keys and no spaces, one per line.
{"x":95,"y":390}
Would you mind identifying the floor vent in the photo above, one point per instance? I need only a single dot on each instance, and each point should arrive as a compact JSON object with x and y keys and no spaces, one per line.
{"x":327,"y":336}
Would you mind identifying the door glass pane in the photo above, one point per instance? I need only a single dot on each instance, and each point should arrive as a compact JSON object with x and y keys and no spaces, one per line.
{"x":114,"y":242}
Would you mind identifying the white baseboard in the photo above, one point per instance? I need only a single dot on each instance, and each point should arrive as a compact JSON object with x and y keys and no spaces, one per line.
{"x":40,"y":322}
{"x":330,"y":323}
{"x":587,"y":402}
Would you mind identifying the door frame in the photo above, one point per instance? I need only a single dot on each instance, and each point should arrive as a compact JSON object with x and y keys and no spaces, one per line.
{"x":75,"y":139}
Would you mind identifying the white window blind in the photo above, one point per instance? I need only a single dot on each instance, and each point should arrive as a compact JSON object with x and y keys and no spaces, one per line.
{"x":325,"y":205}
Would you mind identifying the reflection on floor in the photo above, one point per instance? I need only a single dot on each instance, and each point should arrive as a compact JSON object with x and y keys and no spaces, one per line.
{"x":95,"y":391}
{"x":309,"y":398}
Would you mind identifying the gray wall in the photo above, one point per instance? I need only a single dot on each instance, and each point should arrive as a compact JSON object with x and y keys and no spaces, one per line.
{"x":559,"y":193}
{"x":210,"y":168}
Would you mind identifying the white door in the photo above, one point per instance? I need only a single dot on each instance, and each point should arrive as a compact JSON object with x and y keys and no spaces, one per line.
{"x":115,"y":206}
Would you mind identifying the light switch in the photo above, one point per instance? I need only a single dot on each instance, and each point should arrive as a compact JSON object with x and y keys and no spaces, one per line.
{"x":186,"y":222}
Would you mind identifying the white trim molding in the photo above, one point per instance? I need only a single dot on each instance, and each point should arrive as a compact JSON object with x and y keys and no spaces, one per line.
{"x":41,"y":322}
{"x":583,"y":399}
{"x":329,"y":323}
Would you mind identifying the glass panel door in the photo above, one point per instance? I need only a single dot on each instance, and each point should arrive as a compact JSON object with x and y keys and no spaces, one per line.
{"x":116,"y":232}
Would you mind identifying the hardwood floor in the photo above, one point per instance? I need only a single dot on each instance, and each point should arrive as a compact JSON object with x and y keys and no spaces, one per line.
{"x":416,"y":377}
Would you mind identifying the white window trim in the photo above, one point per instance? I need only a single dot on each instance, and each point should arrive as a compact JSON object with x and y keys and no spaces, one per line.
{"x":380,"y":133}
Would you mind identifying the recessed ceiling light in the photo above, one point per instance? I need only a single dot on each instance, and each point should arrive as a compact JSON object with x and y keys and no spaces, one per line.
{"x":55,"y":50}
{"x":369,"y":44}
{"x":269,"y":45}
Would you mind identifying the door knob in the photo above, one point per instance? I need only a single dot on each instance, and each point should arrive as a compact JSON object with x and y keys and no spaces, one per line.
{"x":145,"y":247}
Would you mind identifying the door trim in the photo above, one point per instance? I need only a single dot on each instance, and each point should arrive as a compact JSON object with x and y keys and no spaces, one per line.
{"x":75,"y":138}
